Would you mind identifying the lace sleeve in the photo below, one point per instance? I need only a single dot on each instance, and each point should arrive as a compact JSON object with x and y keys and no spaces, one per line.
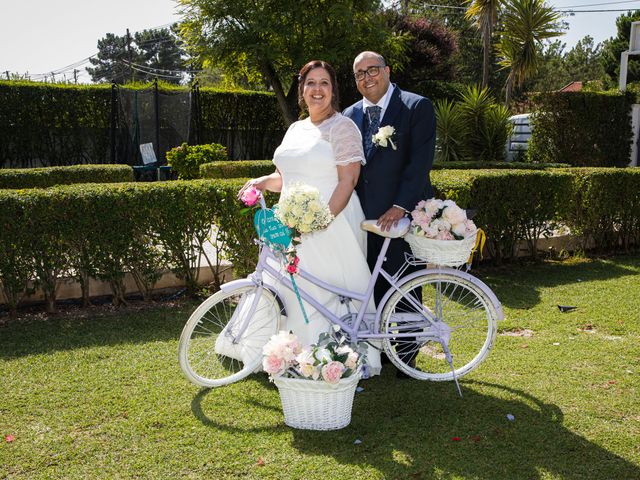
{"x":346,"y":141}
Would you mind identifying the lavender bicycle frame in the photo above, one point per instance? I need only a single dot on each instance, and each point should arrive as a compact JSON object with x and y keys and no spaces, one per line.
{"x":372,"y":321}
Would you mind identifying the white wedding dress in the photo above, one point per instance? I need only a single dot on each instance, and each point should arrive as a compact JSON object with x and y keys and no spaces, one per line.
{"x":310,"y":154}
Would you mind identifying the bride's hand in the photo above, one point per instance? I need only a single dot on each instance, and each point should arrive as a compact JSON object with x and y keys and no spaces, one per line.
{"x":257,"y":183}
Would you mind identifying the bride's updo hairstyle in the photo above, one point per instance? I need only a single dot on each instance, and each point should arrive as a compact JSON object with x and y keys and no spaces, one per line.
{"x":302,"y":77}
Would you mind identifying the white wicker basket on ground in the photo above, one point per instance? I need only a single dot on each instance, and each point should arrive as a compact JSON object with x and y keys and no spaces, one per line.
{"x":317,"y":405}
{"x":451,"y":253}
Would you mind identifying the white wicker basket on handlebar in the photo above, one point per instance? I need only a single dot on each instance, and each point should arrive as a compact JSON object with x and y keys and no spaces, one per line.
{"x":451,"y":253}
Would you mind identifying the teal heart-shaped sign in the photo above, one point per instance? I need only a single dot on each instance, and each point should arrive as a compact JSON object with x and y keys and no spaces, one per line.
{"x":270,"y":229}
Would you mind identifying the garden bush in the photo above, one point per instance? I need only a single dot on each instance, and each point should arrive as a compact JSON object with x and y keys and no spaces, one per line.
{"x":237,"y":168}
{"x":62,"y":124}
{"x":50,"y":176}
{"x":186,"y":160}
{"x":474,"y":128}
{"x":605,"y":207}
{"x":108,"y":230}
{"x":589,"y":129}
{"x":511,"y":205}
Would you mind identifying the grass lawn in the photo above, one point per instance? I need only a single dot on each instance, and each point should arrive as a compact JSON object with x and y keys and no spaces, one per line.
{"x":100,"y":395}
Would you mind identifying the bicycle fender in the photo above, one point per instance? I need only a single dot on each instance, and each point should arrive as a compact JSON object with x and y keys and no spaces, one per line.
{"x":247,"y":282}
{"x":448,"y":271}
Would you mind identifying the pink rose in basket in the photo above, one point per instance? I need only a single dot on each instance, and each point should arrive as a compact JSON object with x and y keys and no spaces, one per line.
{"x":441,"y":220}
{"x":273,"y":365}
{"x":332,"y":372}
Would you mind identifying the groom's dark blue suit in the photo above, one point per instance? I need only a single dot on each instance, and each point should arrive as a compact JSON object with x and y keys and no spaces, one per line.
{"x":396,"y":177}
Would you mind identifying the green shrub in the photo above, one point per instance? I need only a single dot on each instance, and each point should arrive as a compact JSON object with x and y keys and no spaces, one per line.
{"x":474,"y":128}
{"x":468,"y":165}
{"x":50,"y":176}
{"x":605,"y":207}
{"x":108,"y":230}
{"x":237,"y":169}
{"x":511,"y":205}
{"x":451,"y":132}
{"x":591,"y":129}
{"x":187,"y":159}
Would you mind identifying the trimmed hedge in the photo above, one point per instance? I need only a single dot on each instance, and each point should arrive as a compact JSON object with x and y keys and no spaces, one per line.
{"x":237,"y":168}
{"x":107,"y":230}
{"x":50,"y":176}
{"x":467,"y":165}
{"x":257,"y":168}
{"x":590,"y":129}
{"x":605,"y":207}
{"x":63,"y":124}
{"x":511,"y":205}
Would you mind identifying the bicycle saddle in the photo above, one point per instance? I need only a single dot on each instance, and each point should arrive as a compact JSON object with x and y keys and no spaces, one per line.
{"x":398,"y":231}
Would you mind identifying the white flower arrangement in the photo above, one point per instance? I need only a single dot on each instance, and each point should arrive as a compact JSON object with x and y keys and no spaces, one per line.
{"x":329,"y":360}
{"x":383,"y":137}
{"x":303,"y":210}
{"x":441,"y":220}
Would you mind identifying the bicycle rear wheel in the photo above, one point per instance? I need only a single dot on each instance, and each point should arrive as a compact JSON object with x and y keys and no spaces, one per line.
{"x":461,"y":313}
{"x":217,"y":347}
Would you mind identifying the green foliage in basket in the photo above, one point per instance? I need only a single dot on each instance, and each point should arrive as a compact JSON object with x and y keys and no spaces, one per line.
{"x":237,"y":168}
{"x":187,"y":159}
{"x":50,"y":176}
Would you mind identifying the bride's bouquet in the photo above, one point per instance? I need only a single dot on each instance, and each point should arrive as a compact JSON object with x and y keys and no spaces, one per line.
{"x":303,"y":210}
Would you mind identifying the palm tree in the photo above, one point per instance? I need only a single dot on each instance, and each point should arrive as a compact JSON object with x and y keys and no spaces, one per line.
{"x":526,"y":24}
{"x":485,"y":14}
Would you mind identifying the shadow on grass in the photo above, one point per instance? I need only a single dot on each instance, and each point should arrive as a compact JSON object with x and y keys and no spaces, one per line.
{"x":418,"y":430}
{"x":518,"y":286}
{"x":42,"y":334}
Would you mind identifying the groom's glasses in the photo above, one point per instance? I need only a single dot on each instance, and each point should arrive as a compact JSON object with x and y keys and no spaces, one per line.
{"x":373,"y":71}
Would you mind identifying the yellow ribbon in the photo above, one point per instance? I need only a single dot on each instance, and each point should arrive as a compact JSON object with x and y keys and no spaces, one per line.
{"x":480,"y":239}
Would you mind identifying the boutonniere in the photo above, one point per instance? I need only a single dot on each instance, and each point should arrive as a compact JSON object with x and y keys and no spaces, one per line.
{"x":383,"y":137}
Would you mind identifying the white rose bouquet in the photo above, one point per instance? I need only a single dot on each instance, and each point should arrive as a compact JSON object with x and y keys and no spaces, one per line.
{"x":329,"y":360}
{"x":441,"y":220}
{"x":303,"y":210}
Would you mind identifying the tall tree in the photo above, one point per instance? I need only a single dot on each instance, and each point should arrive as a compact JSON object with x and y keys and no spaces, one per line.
{"x":431,"y":47}
{"x":141,"y":57}
{"x":613,"y":47}
{"x":527,"y":23}
{"x":485,"y":15}
{"x":277,"y":37}
{"x":558,"y":67}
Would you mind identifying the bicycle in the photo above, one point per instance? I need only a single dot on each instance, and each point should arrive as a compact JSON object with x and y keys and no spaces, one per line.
{"x":457,"y":318}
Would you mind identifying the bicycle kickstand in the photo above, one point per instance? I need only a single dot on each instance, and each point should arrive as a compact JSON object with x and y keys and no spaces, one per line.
{"x":449,"y":358}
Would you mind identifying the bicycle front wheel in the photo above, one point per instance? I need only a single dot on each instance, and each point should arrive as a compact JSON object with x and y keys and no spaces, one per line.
{"x":456,"y":309}
{"x":221,"y":344}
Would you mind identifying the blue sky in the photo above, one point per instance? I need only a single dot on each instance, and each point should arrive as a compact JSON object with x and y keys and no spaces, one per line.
{"x":39,"y":36}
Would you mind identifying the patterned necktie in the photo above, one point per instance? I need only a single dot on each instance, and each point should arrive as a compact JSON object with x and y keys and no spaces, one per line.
{"x":372,"y":126}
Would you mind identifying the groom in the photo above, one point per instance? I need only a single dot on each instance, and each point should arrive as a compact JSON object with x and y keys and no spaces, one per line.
{"x":396,"y":176}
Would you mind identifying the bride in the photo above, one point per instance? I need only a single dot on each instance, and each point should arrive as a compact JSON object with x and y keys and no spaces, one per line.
{"x":324,"y":151}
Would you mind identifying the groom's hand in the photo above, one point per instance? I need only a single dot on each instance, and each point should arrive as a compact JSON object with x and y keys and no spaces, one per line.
{"x":390,"y":218}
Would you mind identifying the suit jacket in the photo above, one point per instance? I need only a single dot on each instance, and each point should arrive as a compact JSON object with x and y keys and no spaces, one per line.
{"x":398,"y":177}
